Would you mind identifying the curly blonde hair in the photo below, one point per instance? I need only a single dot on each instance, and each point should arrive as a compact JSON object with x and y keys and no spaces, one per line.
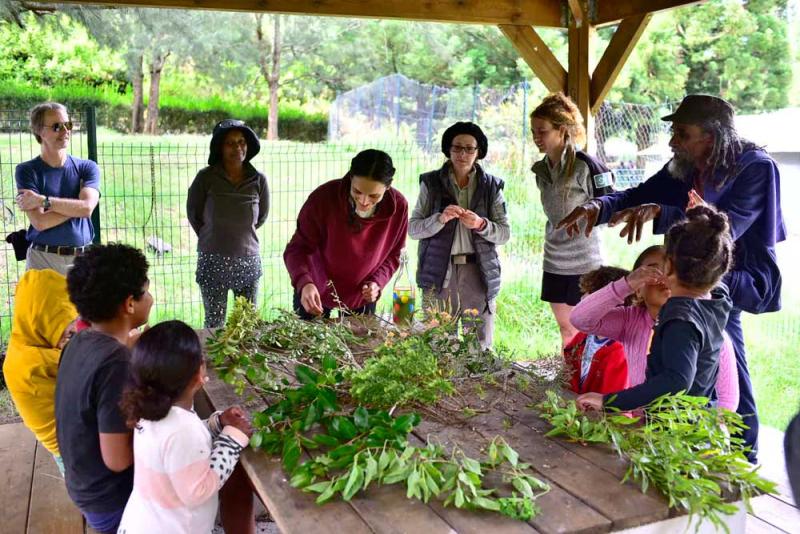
{"x":560,"y":110}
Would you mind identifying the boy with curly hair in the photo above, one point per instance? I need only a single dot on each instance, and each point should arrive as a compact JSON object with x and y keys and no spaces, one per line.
{"x":109,"y":287}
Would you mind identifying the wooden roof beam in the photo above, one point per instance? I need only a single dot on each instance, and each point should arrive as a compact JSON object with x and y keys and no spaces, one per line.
{"x":578,"y":10}
{"x":611,"y":11}
{"x":619,"y":48}
{"x":546,"y":13}
{"x":537,"y":55}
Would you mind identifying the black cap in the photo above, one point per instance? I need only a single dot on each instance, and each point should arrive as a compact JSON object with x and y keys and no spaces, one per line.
{"x":465,"y":128}
{"x":698,"y":109}
{"x":218,"y":137}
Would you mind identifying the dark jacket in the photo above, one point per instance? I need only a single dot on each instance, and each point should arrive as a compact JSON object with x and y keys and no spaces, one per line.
{"x":752,"y":201}
{"x":434,"y":252}
{"x":684,"y":353}
{"x":224,"y":216}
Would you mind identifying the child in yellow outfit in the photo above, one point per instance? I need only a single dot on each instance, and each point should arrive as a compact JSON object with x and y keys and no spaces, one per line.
{"x":44,"y":320}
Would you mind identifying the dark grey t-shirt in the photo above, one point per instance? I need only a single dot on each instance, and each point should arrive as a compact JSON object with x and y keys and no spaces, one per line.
{"x":225,"y":216}
{"x":91,"y":374}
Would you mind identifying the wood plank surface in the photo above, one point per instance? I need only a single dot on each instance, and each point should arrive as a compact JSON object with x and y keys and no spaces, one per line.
{"x":624,"y":504}
{"x":293,"y":510}
{"x":776,"y":512}
{"x":561,"y":511}
{"x":17,"y":450}
{"x":755,"y":525}
{"x":51,"y":509}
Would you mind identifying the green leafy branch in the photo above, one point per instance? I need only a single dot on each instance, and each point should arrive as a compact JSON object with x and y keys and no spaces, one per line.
{"x":689,"y":452}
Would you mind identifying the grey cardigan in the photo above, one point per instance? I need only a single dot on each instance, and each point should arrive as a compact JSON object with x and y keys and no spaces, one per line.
{"x":224,"y":216}
{"x":560,"y":195}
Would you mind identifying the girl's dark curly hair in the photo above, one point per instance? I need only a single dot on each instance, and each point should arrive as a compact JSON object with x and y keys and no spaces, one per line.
{"x":700,"y":247}
{"x":164,"y":361}
{"x":103,"y":277}
{"x":600,"y":277}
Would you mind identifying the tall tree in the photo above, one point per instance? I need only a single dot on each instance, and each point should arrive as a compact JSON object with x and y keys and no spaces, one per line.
{"x":269,"y":60}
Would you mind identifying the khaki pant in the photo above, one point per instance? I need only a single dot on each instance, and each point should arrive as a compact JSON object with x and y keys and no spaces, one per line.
{"x":466,"y":291}
{"x":39,"y":259}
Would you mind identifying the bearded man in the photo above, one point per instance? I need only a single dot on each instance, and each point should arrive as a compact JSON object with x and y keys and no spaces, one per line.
{"x":711,"y":164}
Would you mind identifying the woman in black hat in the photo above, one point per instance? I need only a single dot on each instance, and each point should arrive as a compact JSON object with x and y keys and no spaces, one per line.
{"x":228,"y":201}
{"x":460,"y":218}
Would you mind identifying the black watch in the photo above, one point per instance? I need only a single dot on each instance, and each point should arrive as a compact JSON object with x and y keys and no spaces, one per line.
{"x":46,"y":203}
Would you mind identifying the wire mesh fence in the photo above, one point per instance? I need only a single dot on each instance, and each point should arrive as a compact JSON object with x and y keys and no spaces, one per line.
{"x":630,"y":138}
{"x":145,"y":180}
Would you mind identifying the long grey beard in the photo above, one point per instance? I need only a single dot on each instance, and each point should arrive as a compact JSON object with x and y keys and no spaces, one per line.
{"x":680,"y":168}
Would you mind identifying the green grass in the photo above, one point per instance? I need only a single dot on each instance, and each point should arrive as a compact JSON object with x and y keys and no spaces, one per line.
{"x":145,"y":180}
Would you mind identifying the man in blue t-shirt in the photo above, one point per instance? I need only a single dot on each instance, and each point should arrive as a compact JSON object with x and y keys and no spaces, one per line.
{"x":57,"y":192}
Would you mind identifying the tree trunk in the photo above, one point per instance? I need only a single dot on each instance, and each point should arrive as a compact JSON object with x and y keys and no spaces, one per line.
{"x":156,"y":66}
{"x":137,"y":108}
{"x":269,"y":59}
{"x":274,"y":80}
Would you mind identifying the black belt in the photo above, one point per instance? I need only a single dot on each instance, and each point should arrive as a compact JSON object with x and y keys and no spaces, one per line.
{"x":460,"y":259}
{"x":61,"y":250}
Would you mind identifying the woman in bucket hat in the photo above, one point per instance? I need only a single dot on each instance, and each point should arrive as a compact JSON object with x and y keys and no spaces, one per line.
{"x":228,"y":201}
{"x":459,"y":219}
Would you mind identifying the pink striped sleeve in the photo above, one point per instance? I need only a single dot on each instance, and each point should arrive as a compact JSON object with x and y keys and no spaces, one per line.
{"x":600,"y":313}
{"x":727,"y":385}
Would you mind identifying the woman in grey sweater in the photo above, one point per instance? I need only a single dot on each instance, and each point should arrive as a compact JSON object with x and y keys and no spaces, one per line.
{"x":228,"y":201}
{"x":566,"y":178}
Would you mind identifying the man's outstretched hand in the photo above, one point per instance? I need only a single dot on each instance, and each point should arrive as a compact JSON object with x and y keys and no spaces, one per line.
{"x":634,"y":219}
{"x":588,"y":212}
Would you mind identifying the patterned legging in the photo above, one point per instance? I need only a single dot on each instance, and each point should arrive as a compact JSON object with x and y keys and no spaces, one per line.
{"x":215,"y":301}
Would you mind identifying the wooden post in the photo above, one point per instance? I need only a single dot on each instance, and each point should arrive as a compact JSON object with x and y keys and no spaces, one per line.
{"x":578,"y":78}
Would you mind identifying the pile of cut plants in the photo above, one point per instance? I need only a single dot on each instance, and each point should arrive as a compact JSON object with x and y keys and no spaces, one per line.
{"x":349,"y":392}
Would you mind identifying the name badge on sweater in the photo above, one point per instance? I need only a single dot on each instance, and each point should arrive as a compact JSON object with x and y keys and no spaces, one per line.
{"x":602,"y":180}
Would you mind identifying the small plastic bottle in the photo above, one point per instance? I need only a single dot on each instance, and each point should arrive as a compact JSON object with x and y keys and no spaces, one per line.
{"x":403,"y":294}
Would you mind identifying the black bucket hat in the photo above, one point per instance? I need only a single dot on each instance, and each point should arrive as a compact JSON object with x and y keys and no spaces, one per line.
{"x":218,"y":137}
{"x":699,"y":109}
{"x":465,"y":128}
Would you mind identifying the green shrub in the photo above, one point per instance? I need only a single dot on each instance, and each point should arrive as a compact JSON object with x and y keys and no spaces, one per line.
{"x":176,"y":114}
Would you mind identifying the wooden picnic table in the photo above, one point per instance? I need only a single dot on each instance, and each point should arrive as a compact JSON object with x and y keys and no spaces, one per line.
{"x":586,"y":494}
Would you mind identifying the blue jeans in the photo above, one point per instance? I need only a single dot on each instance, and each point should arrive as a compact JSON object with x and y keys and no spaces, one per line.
{"x":747,"y":402}
{"x":104,"y":522}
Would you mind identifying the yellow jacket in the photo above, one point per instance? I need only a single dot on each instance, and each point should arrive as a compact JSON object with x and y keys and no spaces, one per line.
{"x":42,"y":311}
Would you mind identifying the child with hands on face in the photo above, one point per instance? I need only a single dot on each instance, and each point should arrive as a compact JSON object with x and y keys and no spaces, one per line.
{"x":181,"y":461}
{"x":684,"y":353}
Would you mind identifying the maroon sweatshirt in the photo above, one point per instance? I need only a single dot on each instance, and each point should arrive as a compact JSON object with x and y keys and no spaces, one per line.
{"x":326,"y":247}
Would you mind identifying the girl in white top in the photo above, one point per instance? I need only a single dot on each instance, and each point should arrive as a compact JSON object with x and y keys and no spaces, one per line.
{"x":181,"y":462}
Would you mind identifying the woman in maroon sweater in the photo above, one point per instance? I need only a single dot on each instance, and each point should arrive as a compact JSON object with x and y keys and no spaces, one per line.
{"x":350,"y":232}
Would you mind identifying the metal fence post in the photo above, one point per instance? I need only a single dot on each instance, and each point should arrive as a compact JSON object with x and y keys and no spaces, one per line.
{"x":91,"y":138}
{"x":524,"y":116}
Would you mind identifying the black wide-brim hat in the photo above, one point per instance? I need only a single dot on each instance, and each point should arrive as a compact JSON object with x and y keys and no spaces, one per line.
{"x":465,"y":128}
{"x":700,"y":109}
{"x":218,"y":137}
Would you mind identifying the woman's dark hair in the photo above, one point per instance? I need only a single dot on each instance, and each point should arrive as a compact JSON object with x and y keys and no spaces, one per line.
{"x":374,"y":165}
{"x":646,"y":252}
{"x":600,"y":277}
{"x":103,"y":277}
{"x":700,"y":247}
{"x":164,"y":361}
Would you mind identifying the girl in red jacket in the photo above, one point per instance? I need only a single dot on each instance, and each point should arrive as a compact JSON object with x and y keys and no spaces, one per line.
{"x":348,"y":240}
{"x":597,"y":364}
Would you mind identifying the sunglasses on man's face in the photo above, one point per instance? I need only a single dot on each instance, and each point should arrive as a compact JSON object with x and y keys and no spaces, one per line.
{"x":60,"y":126}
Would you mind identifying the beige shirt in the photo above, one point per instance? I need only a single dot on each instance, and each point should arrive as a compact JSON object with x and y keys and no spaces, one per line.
{"x":462,"y":241}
